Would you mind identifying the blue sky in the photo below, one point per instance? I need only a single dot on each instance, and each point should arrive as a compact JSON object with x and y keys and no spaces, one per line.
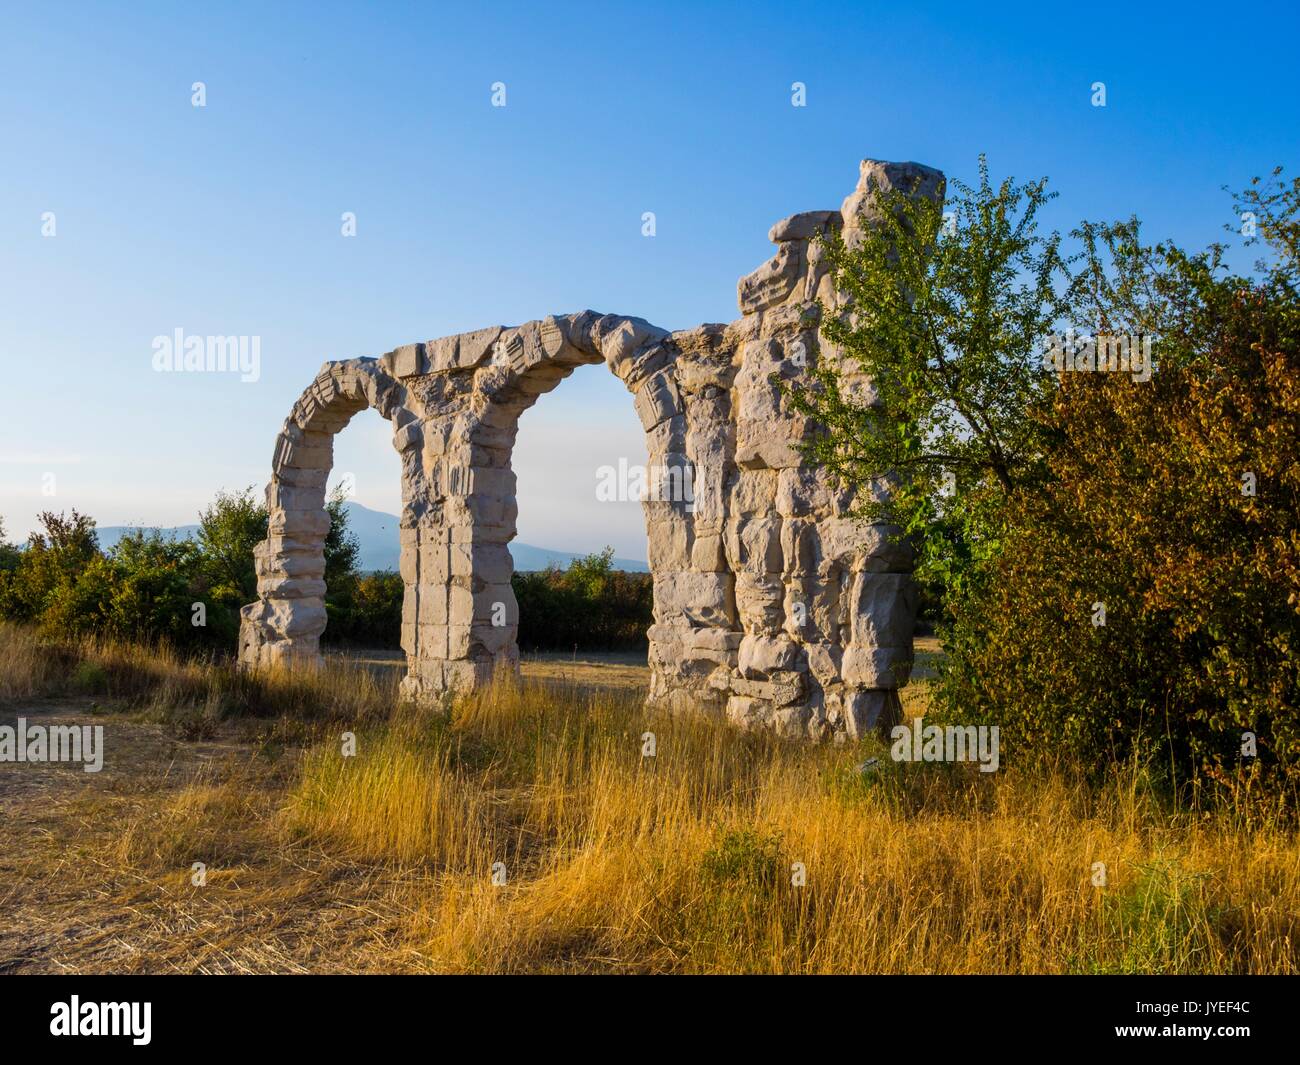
{"x":226,"y":219}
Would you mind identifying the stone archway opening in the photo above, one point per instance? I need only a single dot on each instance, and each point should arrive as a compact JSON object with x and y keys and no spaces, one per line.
{"x":581,"y":473}
{"x":771,"y":603}
{"x":284,"y":626}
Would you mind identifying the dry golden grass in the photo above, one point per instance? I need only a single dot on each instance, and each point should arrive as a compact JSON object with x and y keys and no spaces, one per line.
{"x":681,"y":862}
{"x":685,"y":862}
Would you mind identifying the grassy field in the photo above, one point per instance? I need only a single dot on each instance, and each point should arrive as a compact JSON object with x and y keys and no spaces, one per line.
{"x":529,"y":832}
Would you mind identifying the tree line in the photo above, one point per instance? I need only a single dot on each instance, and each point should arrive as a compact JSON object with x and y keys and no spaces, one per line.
{"x":188,"y":591}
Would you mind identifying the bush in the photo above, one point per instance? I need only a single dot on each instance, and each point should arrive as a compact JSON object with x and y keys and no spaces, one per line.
{"x":1174,"y":506}
{"x":590,"y":605}
{"x":368,"y":611}
{"x":150,"y":588}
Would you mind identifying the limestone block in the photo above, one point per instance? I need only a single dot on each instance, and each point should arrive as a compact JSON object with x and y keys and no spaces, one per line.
{"x":746,"y":712}
{"x":460,"y":605}
{"x":773,"y":282}
{"x":296,"y":617}
{"x":711,"y":435}
{"x":309,"y":565}
{"x":856,"y":545}
{"x":824,"y":662}
{"x":442,"y":354}
{"x":278,"y":544}
{"x":802,"y":226}
{"x":706,"y":599}
{"x":800,"y":547}
{"x":468,"y":674}
{"x":408,"y":360}
{"x":666,"y":439}
{"x":882,"y":610}
{"x":460,"y":641}
{"x":781,"y":689}
{"x":762,"y":655}
{"x":491,"y":563}
{"x":695,"y":376}
{"x":716,"y":639}
{"x":710,"y":495}
{"x":751,"y":492}
{"x":791,"y":722}
{"x":865,"y":711}
{"x":493,"y":639}
{"x":707,"y":555}
{"x":298,"y":523}
{"x":623,"y":341}
{"x":541,"y":379}
{"x":493,"y":512}
{"x":431,"y":602}
{"x":754,"y":545}
{"x":304,"y":478}
{"x":408,"y":563}
{"x":668,"y":542}
{"x":493,"y":482}
{"x":657,"y":400}
{"x":286,"y":587}
{"x":496,"y":602}
{"x":473,"y":349}
{"x":803,"y":491}
{"x":408,"y":437}
{"x":759,"y":603}
{"x":310,"y":451}
{"x":876,"y":667}
{"x":432,"y":640}
{"x":768,"y":444}
{"x":434,"y":561}
{"x":859,"y":208}
{"x":812,"y":608}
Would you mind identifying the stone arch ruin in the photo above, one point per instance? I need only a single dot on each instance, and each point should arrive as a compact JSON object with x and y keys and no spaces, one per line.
{"x":771,"y":604}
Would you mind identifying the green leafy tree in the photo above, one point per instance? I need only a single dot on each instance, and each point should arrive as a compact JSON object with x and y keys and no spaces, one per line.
{"x":1173,"y":504}
{"x":341,"y":545}
{"x":590,"y":574}
{"x":9,"y":554}
{"x":946,"y":318}
{"x":229,"y":529}
{"x":50,"y":565}
{"x":589,"y":605}
{"x":156,"y":582}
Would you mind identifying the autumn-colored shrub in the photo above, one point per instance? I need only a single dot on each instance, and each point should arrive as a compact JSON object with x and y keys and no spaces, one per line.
{"x":1147,"y":600}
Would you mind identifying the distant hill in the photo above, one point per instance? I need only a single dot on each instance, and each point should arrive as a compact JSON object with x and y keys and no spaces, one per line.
{"x":376,"y":532}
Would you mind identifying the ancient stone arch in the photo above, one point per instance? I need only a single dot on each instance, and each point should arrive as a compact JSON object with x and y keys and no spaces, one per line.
{"x":771,"y":604}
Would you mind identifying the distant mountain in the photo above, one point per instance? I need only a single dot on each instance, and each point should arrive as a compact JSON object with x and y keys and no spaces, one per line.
{"x":109,"y":535}
{"x":527,"y":557}
{"x":376,"y":532}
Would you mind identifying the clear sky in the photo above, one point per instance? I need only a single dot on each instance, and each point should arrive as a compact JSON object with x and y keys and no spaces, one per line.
{"x":226,"y":219}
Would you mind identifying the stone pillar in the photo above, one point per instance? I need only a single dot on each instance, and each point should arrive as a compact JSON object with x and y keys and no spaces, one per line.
{"x":283,"y":627}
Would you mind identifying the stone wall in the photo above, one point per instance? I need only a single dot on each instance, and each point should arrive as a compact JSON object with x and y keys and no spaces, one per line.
{"x":771,"y":605}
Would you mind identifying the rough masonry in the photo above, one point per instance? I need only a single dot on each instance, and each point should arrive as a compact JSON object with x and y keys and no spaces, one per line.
{"x":771,"y":604}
